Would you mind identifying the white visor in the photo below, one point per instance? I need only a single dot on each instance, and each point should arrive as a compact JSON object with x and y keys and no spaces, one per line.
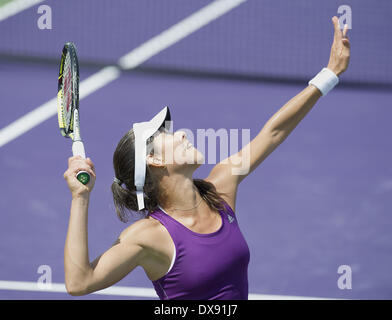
{"x":143,"y":131}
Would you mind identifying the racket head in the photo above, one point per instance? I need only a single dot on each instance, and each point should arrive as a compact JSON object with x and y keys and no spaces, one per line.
{"x":68,"y":90}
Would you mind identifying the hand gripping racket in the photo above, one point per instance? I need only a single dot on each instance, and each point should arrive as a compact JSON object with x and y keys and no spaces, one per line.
{"x":68,"y":103}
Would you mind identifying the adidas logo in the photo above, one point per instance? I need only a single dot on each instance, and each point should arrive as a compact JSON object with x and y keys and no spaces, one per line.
{"x":231,"y":219}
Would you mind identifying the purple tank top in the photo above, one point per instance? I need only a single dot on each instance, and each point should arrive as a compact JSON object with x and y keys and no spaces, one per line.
{"x":206,"y":266}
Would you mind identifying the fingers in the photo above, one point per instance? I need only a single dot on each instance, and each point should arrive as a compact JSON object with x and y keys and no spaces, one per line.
{"x":79,"y":158}
{"x":77,"y":163}
{"x":346,"y":42}
{"x":79,"y":167}
{"x":90,"y":163}
{"x":338,"y":33}
{"x":345,"y":31}
{"x":73,"y":159}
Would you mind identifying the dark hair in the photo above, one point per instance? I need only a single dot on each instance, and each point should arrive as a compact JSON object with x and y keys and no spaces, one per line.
{"x":124,"y":196}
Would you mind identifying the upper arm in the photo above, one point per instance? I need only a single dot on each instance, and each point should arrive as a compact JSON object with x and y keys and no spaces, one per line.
{"x":228,"y":174}
{"x":124,"y":256}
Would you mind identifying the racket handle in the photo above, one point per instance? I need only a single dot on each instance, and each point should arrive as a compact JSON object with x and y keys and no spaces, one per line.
{"x":78,"y":150}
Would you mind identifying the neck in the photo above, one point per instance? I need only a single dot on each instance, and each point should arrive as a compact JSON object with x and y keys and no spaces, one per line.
{"x":180,"y":194}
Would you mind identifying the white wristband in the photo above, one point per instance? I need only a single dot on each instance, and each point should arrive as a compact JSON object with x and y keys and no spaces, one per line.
{"x":325,"y":80}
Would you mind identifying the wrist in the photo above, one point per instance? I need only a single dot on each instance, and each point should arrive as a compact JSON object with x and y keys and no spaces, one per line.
{"x":81,"y":197}
{"x":334,"y":70}
{"x":325,"y":80}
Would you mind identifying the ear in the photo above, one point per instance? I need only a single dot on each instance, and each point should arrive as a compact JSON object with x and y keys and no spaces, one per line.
{"x":154,"y":161}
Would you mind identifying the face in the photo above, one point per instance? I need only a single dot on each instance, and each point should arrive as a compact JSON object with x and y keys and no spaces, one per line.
{"x":174,"y":151}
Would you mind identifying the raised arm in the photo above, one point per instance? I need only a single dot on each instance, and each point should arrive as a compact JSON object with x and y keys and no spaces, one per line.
{"x":81,"y":276}
{"x":225,"y":175}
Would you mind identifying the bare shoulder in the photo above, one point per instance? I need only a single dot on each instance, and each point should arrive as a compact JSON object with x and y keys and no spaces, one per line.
{"x":145,"y":232}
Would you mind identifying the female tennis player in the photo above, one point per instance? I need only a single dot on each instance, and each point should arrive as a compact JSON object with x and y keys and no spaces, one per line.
{"x":188,"y":240}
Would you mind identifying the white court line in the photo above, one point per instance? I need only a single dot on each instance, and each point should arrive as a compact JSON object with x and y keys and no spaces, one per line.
{"x":136,"y":57}
{"x":177,"y":32}
{"x":14,"y":7}
{"x":60,"y":288}
{"x":49,"y":109}
{"x":125,"y":291}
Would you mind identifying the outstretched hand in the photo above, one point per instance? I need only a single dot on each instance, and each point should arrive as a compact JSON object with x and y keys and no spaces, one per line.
{"x":340,"y":50}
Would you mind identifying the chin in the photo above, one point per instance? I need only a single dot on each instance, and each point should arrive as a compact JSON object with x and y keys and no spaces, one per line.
{"x":199,"y":158}
{"x":196,"y":157}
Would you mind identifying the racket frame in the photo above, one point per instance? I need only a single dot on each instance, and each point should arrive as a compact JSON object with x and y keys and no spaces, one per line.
{"x":71,"y":129}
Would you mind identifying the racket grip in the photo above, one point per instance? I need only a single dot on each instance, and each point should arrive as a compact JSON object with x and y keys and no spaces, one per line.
{"x":78,"y":150}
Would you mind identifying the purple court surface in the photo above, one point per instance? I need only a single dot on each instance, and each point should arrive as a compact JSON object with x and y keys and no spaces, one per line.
{"x":321,"y":200}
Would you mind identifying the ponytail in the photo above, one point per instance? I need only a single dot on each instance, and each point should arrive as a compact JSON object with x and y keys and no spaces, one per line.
{"x":124,"y":196}
{"x":123,"y":201}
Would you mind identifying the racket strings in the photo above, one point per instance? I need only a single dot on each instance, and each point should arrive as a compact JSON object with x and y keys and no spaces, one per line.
{"x":67,"y":93}
{"x":67,"y":83}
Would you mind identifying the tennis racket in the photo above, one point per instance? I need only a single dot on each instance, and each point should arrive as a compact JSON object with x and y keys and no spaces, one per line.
{"x":68,"y":104}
